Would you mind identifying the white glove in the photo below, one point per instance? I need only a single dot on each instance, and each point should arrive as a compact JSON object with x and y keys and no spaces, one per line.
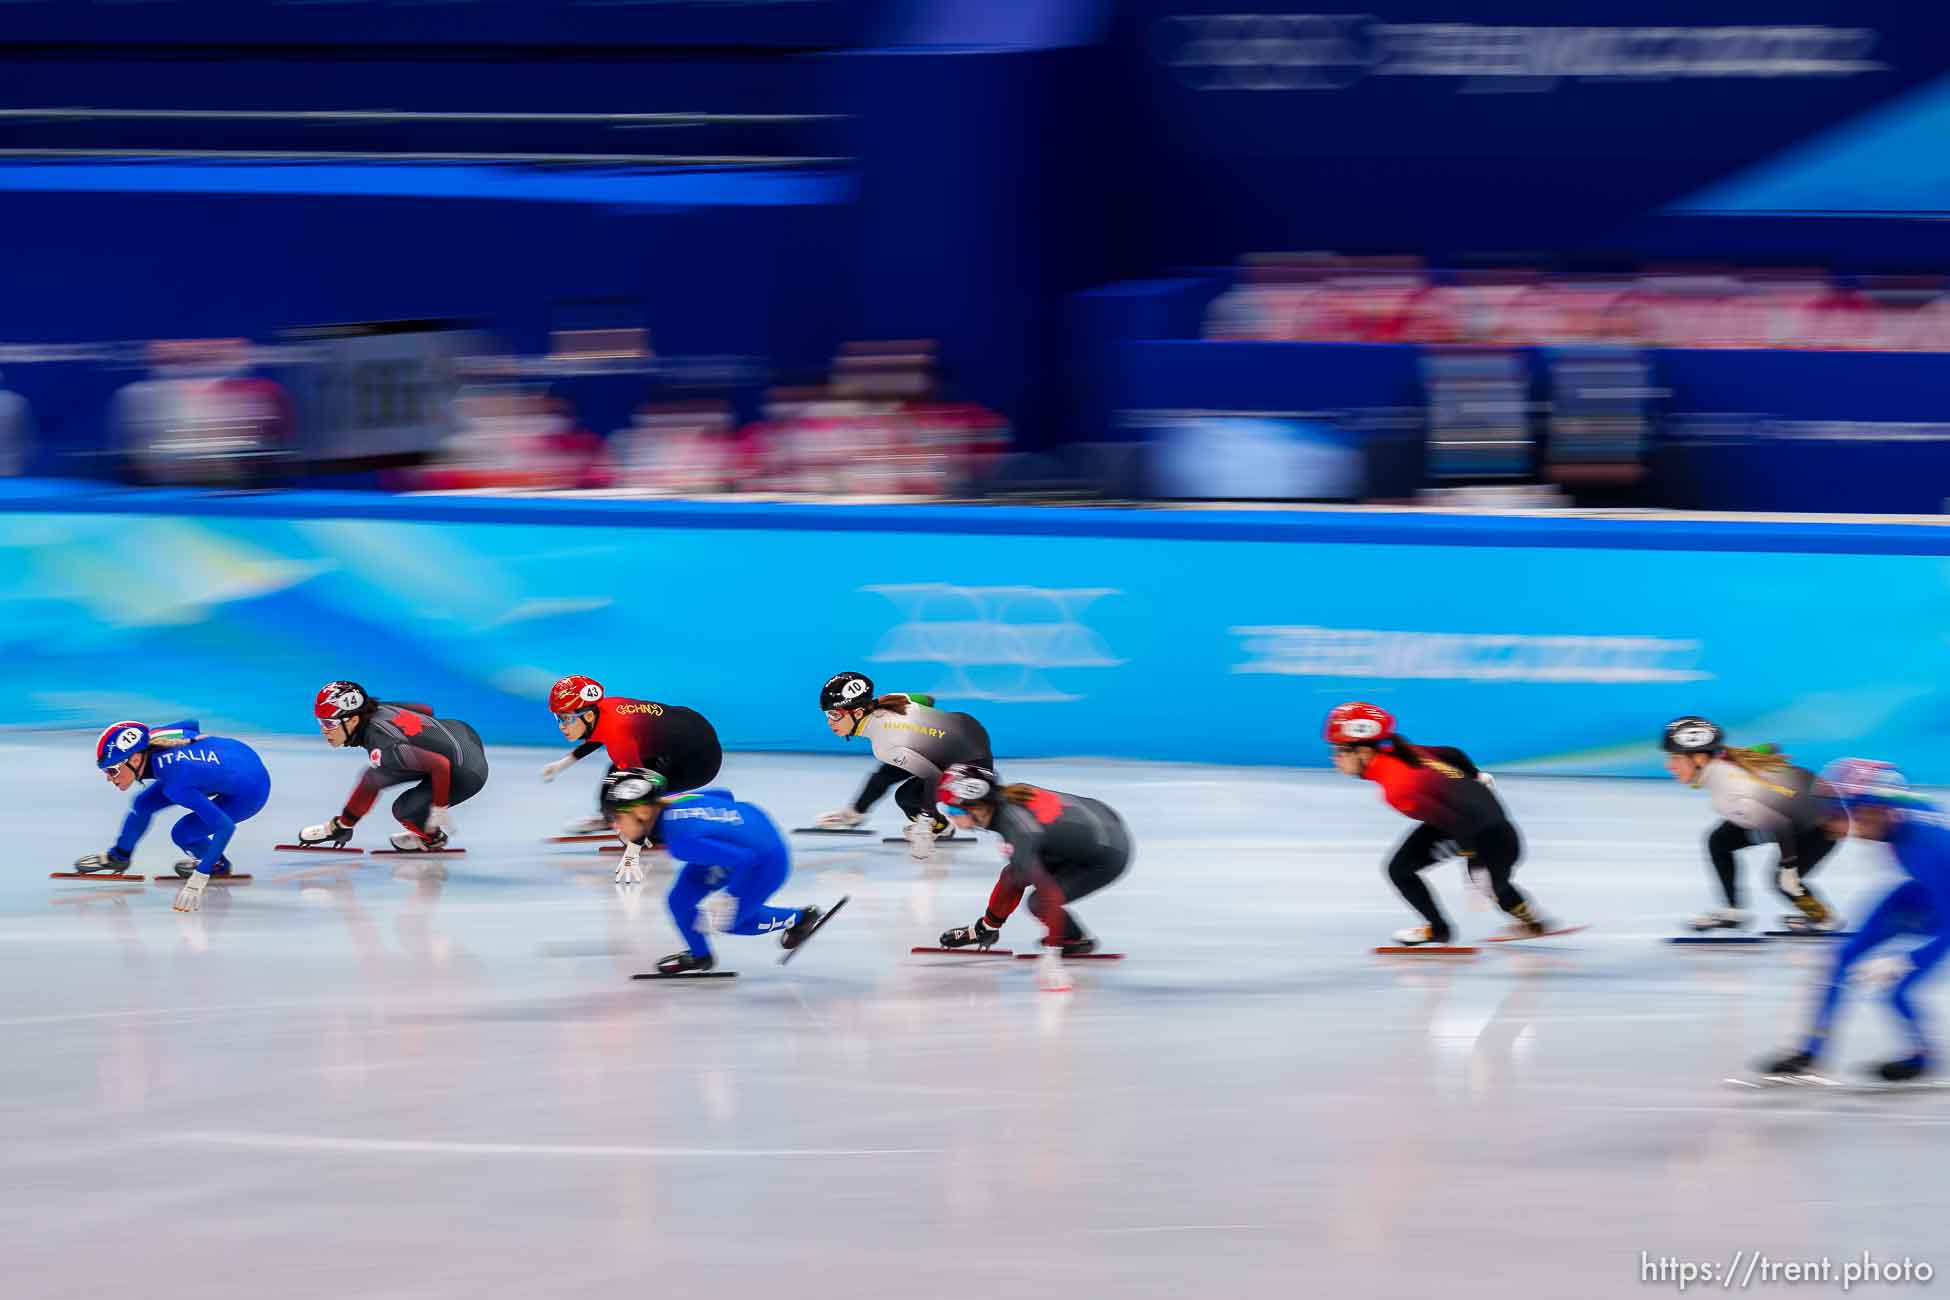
{"x":628,"y":871}
{"x":1486,"y":779}
{"x":439,"y":821}
{"x":920,"y":838}
{"x":558,"y":767}
{"x":1789,"y":878}
{"x":1884,"y":972}
{"x":839,"y":819}
{"x":1050,"y":975}
{"x":190,"y":897}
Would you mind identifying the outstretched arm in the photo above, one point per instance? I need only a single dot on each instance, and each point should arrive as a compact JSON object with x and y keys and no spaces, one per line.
{"x":144,"y":808}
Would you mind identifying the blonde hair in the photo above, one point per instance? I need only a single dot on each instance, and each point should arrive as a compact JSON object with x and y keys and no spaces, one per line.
{"x":1761,"y":760}
{"x":1763,"y":763}
{"x":1019,"y":793}
{"x":171,"y":738}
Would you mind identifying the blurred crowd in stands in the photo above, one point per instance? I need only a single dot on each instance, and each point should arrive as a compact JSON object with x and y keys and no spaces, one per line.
{"x":1321,"y":297}
{"x":879,"y":426}
{"x":423,"y":406}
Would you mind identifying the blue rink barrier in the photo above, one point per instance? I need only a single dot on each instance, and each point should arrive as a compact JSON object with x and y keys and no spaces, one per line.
{"x":1556,"y":645}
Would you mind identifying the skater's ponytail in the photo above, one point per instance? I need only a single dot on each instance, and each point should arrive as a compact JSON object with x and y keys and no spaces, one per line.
{"x":174,"y":736}
{"x":895,"y":704}
{"x":1020,"y":793}
{"x":1760,"y":761}
{"x":1416,"y":756}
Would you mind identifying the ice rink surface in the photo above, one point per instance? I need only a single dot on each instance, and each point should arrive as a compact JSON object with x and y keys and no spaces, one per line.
{"x":371,"y":1079}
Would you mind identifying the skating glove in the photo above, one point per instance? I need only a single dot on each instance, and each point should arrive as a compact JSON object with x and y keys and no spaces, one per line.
{"x":628,"y":870}
{"x":190,"y":897}
{"x":558,"y":767}
{"x":1050,"y":975}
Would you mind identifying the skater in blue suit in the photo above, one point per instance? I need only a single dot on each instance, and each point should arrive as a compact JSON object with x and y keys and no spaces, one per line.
{"x":221,"y":782}
{"x":1872,"y":801}
{"x":725,"y":845}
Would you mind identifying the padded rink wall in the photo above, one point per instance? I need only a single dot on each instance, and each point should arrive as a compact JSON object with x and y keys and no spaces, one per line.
{"x":1550,"y":644}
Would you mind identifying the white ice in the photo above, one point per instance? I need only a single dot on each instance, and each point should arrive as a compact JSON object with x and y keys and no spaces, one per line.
{"x":358,"y":1079}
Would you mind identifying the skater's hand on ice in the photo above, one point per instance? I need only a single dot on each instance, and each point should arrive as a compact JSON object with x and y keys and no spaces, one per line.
{"x":190,"y":897}
{"x":628,"y":870}
{"x":557,"y":768}
{"x":1050,"y":975}
{"x":439,"y":822}
{"x":1789,"y":879}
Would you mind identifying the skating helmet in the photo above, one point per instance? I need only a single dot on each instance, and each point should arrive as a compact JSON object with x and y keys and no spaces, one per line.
{"x":1355,"y":723}
{"x":966,"y":783}
{"x":120,"y":743}
{"x":338,"y":701}
{"x":1866,"y":783}
{"x":574,"y":694}
{"x":846,"y":691}
{"x":1691,"y":735}
{"x":631,"y":787}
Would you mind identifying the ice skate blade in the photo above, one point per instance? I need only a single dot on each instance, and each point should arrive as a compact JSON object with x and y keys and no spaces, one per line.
{"x":1525,"y":938}
{"x":828,"y":915}
{"x":1845,"y":1087}
{"x":1424,"y":950}
{"x":950,"y":843}
{"x":234,"y":878}
{"x":1809,"y":934}
{"x":1719,"y":940}
{"x":1766,"y":1082}
{"x":1088,"y":956}
{"x":91,"y":875}
{"x":312,"y":848}
{"x":970,"y":951}
{"x":593,"y":837}
{"x":417,"y":853}
{"x":832,"y":830}
{"x":688,"y":975}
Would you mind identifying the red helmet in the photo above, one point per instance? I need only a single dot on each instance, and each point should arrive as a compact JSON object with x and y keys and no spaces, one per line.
{"x":339,"y":700}
{"x":574,"y":694}
{"x":1355,"y":723}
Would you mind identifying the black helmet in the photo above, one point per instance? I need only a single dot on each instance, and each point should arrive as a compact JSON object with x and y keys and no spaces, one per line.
{"x":1692,"y":735}
{"x":967,"y":783}
{"x":846,"y":691}
{"x":631,"y":787}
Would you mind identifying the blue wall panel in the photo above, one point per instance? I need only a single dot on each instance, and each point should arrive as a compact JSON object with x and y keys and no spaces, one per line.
{"x":1162,"y":635}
